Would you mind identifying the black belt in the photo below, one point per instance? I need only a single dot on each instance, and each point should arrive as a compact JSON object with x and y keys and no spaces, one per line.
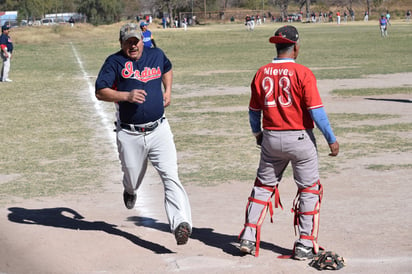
{"x":151,"y":127}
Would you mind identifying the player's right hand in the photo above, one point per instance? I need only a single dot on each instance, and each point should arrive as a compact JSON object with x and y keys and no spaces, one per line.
{"x":137,"y":96}
{"x":334,"y":149}
{"x":259,"y":139}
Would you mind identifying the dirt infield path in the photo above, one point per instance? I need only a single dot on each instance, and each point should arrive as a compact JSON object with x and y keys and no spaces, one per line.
{"x":366,"y":217}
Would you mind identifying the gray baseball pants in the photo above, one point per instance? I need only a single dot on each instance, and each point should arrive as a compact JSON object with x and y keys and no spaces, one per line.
{"x":135,"y":149}
{"x":278,"y":149}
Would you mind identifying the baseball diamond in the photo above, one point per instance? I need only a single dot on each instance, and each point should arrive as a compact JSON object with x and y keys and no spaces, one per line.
{"x":63,"y":209}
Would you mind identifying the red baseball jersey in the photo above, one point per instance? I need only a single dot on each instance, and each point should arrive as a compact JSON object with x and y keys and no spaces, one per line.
{"x":285,"y":91}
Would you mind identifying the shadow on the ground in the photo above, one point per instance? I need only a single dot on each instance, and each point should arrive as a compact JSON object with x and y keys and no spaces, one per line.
{"x":228,"y":243}
{"x":56,"y":217}
{"x":391,"y":100}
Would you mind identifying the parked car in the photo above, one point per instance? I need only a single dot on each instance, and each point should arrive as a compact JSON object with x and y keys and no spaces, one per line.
{"x":37,"y":23}
{"x":60,"y":21}
{"x":47,"y":21}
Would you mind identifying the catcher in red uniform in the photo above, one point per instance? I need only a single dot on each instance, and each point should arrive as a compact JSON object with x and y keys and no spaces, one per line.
{"x":287,"y":95}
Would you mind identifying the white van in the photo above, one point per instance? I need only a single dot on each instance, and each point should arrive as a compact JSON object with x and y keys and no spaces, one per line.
{"x":47,"y":21}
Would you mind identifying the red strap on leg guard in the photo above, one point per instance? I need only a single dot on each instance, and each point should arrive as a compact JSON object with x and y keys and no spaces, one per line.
{"x":275,"y":193}
{"x":277,"y":198}
{"x":316,"y":211}
{"x":267,"y":206}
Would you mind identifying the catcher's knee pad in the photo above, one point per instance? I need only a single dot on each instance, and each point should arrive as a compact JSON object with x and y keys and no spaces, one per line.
{"x":315,"y":189}
{"x":267,"y":205}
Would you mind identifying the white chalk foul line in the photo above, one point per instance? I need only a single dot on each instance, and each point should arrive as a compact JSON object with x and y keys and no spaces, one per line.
{"x":98,"y":106}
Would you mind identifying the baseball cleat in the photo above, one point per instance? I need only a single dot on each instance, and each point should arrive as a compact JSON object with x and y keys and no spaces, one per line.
{"x":182,"y":233}
{"x":247,"y":247}
{"x":129,"y":200}
{"x":302,"y":252}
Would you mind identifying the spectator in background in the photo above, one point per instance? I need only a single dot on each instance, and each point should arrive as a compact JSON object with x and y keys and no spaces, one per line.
{"x":147,"y":36}
{"x":164,"y":23}
{"x":184,"y":23}
{"x":71,"y":21}
{"x":168,"y":22}
{"x":383,"y":26}
{"x":388,"y":17}
{"x":366,"y":17}
{"x":6,"y":46}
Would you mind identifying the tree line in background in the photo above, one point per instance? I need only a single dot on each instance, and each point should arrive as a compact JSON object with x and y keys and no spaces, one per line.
{"x":110,"y":11}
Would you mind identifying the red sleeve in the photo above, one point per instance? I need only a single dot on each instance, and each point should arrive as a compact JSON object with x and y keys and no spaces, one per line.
{"x":311,"y":92}
{"x":254,"y":103}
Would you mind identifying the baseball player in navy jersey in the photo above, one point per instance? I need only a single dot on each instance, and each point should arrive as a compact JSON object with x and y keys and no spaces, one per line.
{"x":287,"y":95}
{"x":6,"y":47}
{"x":133,"y":78}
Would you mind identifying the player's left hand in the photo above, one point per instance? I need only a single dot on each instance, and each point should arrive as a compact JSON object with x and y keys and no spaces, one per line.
{"x":334,"y":149}
{"x":166,"y":99}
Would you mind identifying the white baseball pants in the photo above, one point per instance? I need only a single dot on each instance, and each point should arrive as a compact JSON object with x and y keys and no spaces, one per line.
{"x":136,"y":148}
{"x":6,"y":66}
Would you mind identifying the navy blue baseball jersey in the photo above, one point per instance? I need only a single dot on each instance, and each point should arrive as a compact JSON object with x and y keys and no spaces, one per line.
{"x":6,"y":41}
{"x":121,"y":73}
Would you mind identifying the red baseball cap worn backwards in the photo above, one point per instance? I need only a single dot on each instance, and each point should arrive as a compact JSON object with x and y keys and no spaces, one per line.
{"x":285,"y":35}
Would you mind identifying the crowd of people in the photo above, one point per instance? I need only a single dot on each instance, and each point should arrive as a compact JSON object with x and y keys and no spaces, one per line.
{"x":338,"y":17}
{"x":251,"y":21}
{"x":168,"y":22}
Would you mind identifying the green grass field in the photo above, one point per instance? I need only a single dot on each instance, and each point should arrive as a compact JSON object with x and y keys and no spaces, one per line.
{"x":52,"y":140}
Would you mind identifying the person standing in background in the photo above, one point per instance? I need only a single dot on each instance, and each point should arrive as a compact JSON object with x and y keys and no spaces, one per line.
{"x":148,"y":39}
{"x":6,"y":45}
{"x":71,"y":21}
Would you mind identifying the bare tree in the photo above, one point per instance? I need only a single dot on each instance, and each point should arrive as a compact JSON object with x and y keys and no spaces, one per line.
{"x":368,"y":7}
{"x":283,"y":6}
{"x":306,"y":3}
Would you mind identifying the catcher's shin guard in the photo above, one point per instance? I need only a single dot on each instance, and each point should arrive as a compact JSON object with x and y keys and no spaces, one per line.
{"x":315,"y":212}
{"x":267,"y":205}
